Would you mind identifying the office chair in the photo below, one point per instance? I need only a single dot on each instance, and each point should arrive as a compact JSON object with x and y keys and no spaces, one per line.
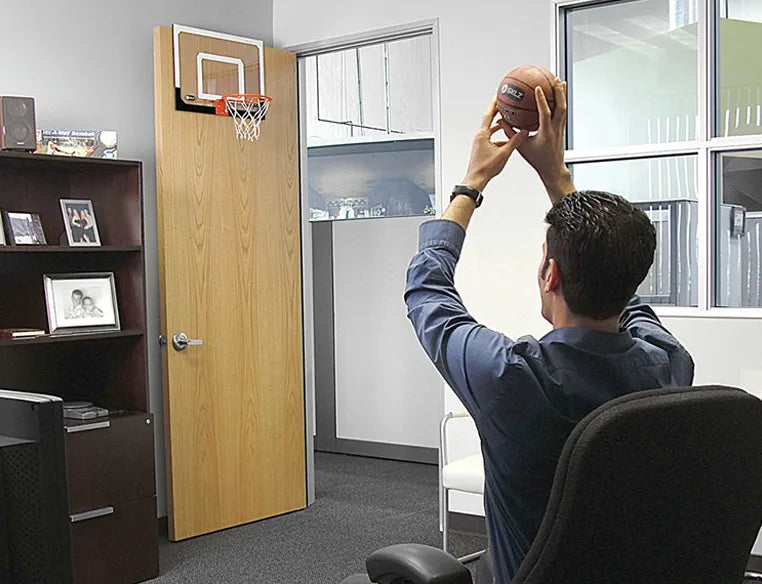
{"x":660,"y":486}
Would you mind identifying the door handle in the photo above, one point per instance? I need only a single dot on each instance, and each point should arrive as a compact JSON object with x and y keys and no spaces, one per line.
{"x":181,"y":341}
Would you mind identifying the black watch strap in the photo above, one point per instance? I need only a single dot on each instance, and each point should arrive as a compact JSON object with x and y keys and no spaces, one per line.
{"x":469,"y":192}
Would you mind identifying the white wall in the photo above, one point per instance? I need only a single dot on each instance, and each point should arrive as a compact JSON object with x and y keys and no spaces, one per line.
{"x":387,"y":390}
{"x":479,"y":42}
{"x":89,"y":65}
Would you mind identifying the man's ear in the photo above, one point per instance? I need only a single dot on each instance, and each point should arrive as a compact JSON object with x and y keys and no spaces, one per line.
{"x":552,"y":277}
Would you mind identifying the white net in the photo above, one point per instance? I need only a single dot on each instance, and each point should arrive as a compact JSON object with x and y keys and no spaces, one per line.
{"x":247,"y":112}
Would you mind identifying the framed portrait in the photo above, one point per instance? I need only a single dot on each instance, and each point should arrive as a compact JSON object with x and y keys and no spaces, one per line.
{"x":24,"y":228}
{"x":79,"y":219}
{"x":78,"y":303}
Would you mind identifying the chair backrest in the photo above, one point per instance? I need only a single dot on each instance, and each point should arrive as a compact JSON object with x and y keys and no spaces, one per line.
{"x":660,"y":486}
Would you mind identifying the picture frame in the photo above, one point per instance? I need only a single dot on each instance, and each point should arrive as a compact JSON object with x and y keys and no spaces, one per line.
{"x":81,"y":302}
{"x":80,"y":223}
{"x":24,"y":228}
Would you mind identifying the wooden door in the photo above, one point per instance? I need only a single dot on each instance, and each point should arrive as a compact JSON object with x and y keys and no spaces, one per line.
{"x":229,"y":253}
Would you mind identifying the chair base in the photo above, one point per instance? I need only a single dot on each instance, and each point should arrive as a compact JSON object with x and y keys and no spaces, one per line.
{"x":357,"y":579}
{"x":468,"y":558}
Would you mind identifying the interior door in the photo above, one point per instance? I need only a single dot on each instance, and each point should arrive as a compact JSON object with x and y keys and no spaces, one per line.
{"x":229,"y":253}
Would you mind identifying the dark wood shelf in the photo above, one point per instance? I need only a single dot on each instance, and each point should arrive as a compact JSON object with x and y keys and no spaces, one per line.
{"x":68,"y":163}
{"x":106,"y":367}
{"x":60,"y":338}
{"x":69,"y":250}
{"x":72,"y":426}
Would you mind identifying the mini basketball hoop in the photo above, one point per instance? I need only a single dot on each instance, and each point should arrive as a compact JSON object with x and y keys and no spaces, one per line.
{"x":247,"y":110}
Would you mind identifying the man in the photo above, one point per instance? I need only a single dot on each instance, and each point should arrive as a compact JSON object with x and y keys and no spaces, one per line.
{"x":526,"y":395}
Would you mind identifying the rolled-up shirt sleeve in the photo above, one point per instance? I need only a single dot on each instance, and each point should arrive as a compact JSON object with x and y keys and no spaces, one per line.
{"x":469,"y":356}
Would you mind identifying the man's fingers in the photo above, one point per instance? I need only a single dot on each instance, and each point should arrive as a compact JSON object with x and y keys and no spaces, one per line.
{"x":543,"y":109}
{"x":496,"y":127}
{"x":489,"y":115}
{"x":559,"y":115}
{"x":509,"y":131}
{"x":514,"y":142}
{"x":518,"y":139}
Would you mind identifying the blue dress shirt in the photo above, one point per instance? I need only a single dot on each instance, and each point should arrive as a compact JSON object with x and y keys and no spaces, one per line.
{"x":526,"y":395}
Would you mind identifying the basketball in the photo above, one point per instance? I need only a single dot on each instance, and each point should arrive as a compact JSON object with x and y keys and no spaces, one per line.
{"x":515,"y":96}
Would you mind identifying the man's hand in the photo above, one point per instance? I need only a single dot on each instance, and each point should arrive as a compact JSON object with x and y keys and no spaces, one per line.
{"x":545,"y":150}
{"x":488,"y":158}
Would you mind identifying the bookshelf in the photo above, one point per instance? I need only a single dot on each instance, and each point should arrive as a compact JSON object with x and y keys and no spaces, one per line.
{"x":108,"y":368}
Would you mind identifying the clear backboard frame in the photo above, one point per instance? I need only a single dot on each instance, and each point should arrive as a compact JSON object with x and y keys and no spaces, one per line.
{"x":202,"y":100}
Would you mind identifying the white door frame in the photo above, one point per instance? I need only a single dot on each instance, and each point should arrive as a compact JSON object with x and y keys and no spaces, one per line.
{"x":413,"y":29}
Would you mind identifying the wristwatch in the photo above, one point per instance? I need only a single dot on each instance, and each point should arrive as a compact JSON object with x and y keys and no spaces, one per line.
{"x":469,"y":192}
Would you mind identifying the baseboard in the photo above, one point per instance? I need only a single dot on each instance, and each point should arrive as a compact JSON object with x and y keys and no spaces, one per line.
{"x":465,"y":523}
{"x":379,"y":450}
{"x":754,"y":564}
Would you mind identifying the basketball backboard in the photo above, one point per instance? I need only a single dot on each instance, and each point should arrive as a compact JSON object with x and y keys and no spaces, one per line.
{"x":210,"y":64}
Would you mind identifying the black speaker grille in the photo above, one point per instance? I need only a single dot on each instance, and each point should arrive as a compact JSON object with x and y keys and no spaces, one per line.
{"x":18,"y":131}
{"x":23,"y":497}
{"x":16,"y":108}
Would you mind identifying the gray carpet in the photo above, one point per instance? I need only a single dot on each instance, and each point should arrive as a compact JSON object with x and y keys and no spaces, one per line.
{"x":362,"y":504}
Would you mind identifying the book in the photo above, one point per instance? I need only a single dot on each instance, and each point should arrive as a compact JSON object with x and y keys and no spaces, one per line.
{"x":20,"y":333}
{"x":84,"y":143}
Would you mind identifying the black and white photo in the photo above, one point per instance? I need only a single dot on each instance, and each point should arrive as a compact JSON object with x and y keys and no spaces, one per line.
{"x":25,"y":228}
{"x":81,"y":302}
{"x":79,"y":219}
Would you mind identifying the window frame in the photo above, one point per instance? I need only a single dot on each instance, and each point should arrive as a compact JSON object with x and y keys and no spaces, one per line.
{"x":706,"y":146}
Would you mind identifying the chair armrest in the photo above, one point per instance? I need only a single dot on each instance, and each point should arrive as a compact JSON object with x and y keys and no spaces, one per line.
{"x":460,"y":414}
{"x":443,"y":433}
{"x":416,"y":563}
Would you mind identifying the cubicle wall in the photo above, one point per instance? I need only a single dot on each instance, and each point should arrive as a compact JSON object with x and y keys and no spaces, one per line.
{"x":376,"y":393}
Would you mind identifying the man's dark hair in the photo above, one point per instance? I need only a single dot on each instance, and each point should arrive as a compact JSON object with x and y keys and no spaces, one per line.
{"x":604,"y":247}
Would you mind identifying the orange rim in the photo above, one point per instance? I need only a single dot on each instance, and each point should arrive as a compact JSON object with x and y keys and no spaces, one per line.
{"x":220,"y":105}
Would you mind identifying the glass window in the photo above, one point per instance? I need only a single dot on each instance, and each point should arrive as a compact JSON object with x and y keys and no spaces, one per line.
{"x":382,"y":179}
{"x":410,"y":86}
{"x":370,"y":150}
{"x":366,"y":92}
{"x":739,"y":216}
{"x":739,"y":70}
{"x":632,"y":73}
{"x":666,"y":190}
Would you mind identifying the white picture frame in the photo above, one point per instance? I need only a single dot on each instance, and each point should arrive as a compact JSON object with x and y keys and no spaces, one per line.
{"x":80,"y":223}
{"x":84,"y":302}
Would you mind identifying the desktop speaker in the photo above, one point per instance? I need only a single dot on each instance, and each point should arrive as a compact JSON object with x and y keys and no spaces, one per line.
{"x":17,"y":127}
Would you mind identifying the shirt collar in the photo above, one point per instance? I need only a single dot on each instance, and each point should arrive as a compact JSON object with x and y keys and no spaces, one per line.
{"x":592,"y":340}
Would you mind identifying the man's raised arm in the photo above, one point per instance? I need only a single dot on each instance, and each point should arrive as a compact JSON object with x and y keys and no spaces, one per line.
{"x":447,"y":332}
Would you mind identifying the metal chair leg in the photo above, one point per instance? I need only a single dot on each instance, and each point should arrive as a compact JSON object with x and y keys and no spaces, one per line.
{"x":445,"y":518}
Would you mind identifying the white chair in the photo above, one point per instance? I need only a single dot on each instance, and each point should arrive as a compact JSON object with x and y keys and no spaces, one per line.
{"x":465,"y":475}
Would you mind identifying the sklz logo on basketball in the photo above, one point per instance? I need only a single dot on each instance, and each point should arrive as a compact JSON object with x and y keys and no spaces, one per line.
{"x":512,"y":91}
